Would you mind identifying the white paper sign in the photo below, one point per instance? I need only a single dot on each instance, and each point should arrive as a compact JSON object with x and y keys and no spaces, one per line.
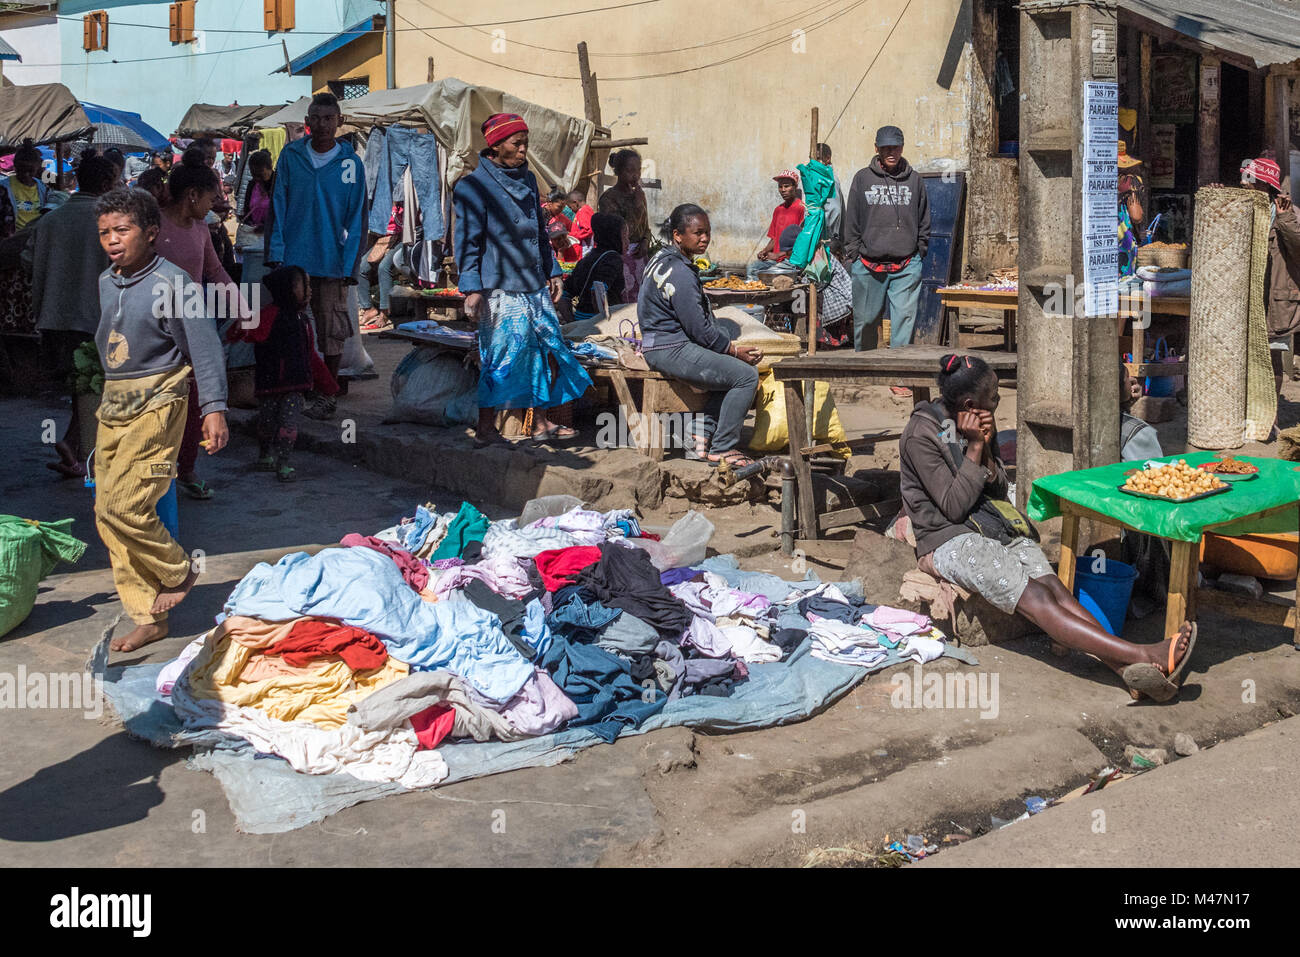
{"x":1100,"y":199}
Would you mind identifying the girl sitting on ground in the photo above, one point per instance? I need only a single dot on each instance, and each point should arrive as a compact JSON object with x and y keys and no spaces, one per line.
{"x":954,"y":491}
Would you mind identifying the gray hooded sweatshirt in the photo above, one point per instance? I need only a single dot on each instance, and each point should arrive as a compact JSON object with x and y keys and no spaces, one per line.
{"x":143,"y":330}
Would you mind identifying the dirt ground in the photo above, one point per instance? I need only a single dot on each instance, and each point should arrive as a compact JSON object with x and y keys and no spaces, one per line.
{"x":833,"y":789}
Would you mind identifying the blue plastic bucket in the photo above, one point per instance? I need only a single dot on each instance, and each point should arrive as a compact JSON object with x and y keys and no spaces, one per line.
{"x":1105,"y":594}
{"x":1160,"y":386}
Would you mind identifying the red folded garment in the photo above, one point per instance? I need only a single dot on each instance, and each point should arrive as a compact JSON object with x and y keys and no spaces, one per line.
{"x":557,"y":565}
{"x":432,"y":725}
{"x":310,"y":640}
{"x":413,"y":570}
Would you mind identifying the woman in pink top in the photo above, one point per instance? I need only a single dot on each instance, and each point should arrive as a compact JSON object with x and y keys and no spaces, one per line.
{"x":184,"y":240}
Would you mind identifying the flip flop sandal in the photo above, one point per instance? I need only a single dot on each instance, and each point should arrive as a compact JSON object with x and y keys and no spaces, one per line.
{"x":265,"y":464}
{"x":1150,"y":681}
{"x":1175,"y":672}
{"x":286,"y":474}
{"x":199,"y":490}
{"x":497,"y":439}
{"x":556,"y":434}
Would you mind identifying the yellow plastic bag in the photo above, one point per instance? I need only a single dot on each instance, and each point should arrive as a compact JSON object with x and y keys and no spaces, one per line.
{"x":771,"y":433}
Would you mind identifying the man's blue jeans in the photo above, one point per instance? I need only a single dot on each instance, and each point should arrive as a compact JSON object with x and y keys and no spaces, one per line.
{"x":902,"y":289}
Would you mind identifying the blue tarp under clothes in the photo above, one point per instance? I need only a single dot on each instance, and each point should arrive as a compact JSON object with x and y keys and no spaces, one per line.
{"x":267,"y":796}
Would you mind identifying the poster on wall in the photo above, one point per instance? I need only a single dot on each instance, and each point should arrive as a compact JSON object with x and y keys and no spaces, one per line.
{"x":1173,"y":88}
{"x":1100,"y":199}
{"x":1164,"y":155}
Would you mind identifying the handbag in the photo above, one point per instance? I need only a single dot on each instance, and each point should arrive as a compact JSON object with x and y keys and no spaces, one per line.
{"x":993,"y":518}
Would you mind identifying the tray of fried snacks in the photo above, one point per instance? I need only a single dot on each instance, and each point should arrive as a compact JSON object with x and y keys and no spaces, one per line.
{"x":1173,"y":482}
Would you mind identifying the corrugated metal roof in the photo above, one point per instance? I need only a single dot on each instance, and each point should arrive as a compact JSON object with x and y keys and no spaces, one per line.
{"x":1264,"y":31}
{"x":7,"y":52}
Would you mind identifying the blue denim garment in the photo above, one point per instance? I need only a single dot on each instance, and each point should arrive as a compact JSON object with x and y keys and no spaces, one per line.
{"x":608,"y":699}
{"x":577,"y":616}
{"x":388,"y":154}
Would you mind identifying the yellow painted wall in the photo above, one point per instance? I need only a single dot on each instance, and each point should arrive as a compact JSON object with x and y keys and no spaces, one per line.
{"x":359,"y":59}
{"x":720,"y":130}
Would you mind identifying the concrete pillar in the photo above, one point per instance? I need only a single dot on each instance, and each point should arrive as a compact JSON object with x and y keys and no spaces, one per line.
{"x":1068,"y":402}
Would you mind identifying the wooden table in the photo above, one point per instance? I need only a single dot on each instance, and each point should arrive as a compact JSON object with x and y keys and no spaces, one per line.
{"x":915,"y":366}
{"x":1131,"y":307}
{"x":953,"y":299}
{"x":1184,"y":572}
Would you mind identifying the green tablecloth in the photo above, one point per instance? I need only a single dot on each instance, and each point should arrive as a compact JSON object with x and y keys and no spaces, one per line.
{"x":1278,"y":483}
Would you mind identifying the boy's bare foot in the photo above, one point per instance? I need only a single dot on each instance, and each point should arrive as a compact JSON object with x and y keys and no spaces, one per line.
{"x":169,"y":598}
{"x":140,"y":635}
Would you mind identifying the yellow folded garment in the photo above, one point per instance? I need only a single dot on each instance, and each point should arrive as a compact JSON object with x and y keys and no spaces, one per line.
{"x":319,"y":693}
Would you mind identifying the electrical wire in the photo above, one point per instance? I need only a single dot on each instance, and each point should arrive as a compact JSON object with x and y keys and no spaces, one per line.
{"x":152,"y":59}
{"x":766,"y":45}
{"x":862,"y":79}
{"x":330,"y":33}
{"x":773,"y":25}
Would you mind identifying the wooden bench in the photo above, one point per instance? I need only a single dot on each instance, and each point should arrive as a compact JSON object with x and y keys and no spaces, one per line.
{"x":659,"y":394}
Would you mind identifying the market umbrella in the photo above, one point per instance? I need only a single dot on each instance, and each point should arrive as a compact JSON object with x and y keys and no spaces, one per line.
{"x":126,"y":131}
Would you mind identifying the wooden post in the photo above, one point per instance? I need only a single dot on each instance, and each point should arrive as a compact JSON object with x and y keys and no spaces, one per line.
{"x":1277,"y":120}
{"x":429,"y":72}
{"x":596,"y":158}
{"x":1144,"y":99}
{"x":812,"y":287}
{"x":1207,"y":123}
{"x":800,"y":440}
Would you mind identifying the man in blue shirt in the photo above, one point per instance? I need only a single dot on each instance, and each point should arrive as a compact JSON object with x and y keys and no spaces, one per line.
{"x":318,"y":219}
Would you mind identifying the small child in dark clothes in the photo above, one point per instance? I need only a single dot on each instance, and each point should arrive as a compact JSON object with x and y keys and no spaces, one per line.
{"x":287,"y":367}
{"x":604,"y":263}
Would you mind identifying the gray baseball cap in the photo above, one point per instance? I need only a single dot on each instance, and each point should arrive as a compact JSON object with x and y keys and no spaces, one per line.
{"x":889,"y":136}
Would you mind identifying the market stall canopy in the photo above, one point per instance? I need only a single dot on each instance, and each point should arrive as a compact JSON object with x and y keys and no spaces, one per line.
{"x":454,"y":111}
{"x":231,"y":121}
{"x":43,"y":112}
{"x":1266,"y":32}
{"x":126,"y":131}
{"x":295,"y":112}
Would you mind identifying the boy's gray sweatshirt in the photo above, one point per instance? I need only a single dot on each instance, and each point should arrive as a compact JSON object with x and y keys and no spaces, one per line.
{"x":143,"y":330}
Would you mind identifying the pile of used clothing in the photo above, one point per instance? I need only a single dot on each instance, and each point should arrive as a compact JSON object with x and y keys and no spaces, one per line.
{"x":365,"y":658}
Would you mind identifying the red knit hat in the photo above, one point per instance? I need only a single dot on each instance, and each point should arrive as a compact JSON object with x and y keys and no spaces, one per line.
{"x":500,"y":126}
{"x":1262,"y":170}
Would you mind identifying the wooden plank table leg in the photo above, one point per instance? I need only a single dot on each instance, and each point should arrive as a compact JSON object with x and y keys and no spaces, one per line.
{"x":1183,"y":568}
{"x":1009,"y":330}
{"x":650,"y":406}
{"x":797,"y":430}
{"x":1066,"y":566}
{"x":812,"y":318}
{"x":630,"y":413}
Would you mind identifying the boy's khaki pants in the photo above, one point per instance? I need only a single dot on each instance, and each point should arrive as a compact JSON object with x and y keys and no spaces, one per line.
{"x":134,"y":465}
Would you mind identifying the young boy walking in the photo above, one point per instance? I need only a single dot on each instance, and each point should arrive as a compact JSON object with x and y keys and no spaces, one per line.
{"x":148,"y":347}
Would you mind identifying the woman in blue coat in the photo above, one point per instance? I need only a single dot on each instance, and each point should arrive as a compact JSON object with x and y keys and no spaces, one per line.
{"x":511,"y":283}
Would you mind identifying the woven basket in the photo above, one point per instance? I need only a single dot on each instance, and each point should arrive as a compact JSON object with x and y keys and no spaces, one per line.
{"x":1164,"y":257}
{"x":1261,"y":391}
{"x":1220,"y":307}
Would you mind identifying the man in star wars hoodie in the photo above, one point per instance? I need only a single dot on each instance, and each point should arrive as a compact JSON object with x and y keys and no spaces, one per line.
{"x":886,"y":233}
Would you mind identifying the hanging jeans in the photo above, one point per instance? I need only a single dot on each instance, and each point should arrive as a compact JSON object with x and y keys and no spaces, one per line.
{"x":387,"y":157}
{"x":902,"y":289}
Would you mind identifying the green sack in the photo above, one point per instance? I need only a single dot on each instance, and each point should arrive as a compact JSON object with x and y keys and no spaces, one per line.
{"x":29,"y":550}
